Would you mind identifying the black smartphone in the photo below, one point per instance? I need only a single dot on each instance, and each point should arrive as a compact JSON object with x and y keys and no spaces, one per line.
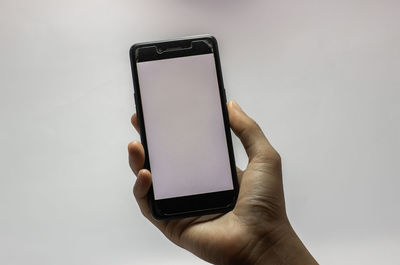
{"x":184,"y":126}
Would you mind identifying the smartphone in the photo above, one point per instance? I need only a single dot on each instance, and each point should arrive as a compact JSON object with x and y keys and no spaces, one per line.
{"x":184,"y":126}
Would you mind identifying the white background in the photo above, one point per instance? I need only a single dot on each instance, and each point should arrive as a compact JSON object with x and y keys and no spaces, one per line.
{"x":322,"y":78}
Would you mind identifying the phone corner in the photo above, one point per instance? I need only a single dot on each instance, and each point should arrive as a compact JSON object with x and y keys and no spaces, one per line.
{"x":133,"y":49}
{"x":157,"y":215}
{"x":212,"y":39}
{"x":155,"y":212}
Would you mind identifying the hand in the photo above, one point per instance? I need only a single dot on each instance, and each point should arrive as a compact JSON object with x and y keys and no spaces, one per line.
{"x":257,"y":230}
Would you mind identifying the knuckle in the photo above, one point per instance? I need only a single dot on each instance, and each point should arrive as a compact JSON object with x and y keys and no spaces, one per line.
{"x":135,"y":190}
{"x":252,"y":124}
{"x":276,"y":157}
{"x":272,"y":157}
{"x":144,"y":212}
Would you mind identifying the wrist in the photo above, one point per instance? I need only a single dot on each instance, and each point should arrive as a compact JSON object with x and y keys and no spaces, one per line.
{"x":280,"y":246}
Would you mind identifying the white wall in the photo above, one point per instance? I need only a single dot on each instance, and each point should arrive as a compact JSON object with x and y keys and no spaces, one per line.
{"x":322,"y":78}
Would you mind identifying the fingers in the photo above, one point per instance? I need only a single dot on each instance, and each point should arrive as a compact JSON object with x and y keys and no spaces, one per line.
{"x":135,"y":122}
{"x":140,"y":190}
{"x":248,"y":131}
{"x":143,"y":181}
{"x":136,"y":156}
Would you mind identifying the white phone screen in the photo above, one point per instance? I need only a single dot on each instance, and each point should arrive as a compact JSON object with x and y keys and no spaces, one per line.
{"x":184,"y":126}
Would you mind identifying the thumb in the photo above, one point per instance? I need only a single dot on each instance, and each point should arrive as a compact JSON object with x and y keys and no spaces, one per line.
{"x":248,"y":131}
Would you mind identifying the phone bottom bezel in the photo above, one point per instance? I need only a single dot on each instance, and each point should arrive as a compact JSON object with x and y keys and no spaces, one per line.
{"x":193,"y":205}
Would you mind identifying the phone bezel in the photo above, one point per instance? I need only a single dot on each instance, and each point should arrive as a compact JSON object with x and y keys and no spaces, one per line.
{"x":193,"y":205}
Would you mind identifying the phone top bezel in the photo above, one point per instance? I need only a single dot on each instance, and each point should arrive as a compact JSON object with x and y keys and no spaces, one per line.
{"x":192,"y":205}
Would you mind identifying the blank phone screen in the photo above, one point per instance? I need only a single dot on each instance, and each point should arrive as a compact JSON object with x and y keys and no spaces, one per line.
{"x":187,"y":145}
